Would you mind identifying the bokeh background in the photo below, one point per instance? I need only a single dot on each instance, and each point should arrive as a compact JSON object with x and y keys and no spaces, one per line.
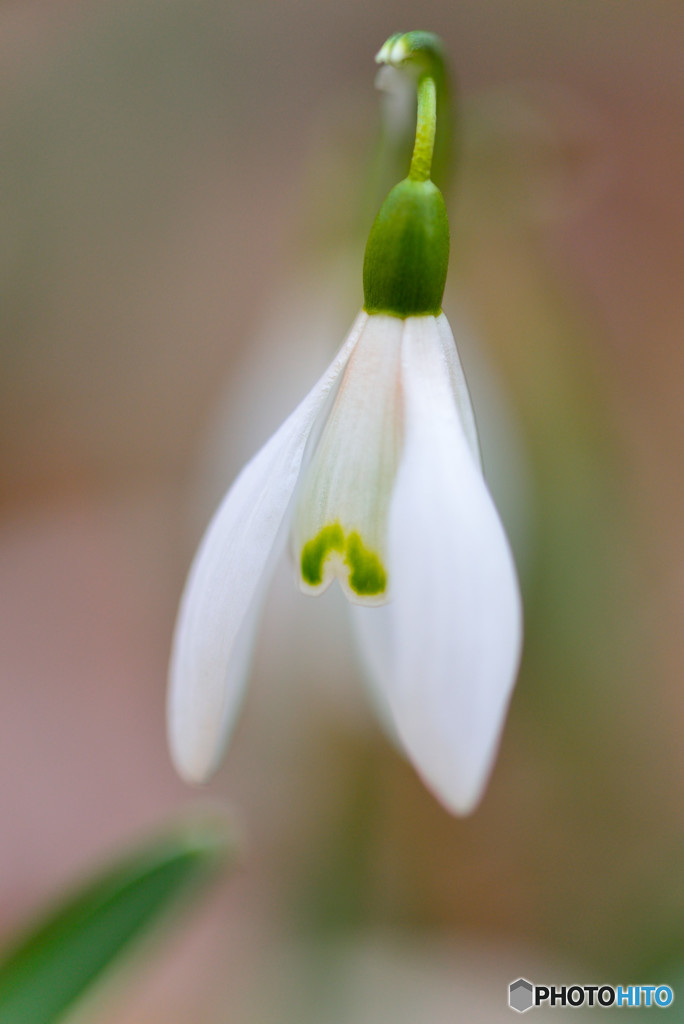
{"x":184,"y":194}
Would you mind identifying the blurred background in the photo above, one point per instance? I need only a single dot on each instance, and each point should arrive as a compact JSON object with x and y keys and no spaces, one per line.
{"x":185,"y":190}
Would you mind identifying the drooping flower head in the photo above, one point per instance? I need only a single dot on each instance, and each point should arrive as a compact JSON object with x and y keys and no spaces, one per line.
{"x":377,"y":481}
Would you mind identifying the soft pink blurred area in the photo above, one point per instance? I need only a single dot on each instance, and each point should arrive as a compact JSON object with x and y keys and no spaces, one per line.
{"x":183,"y":208}
{"x":84,"y":597}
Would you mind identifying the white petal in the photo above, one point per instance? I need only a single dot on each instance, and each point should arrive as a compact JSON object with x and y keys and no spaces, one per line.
{"x":457,"y":622}
{"x":340,"y":526}
{"x":459,"y":386}
{"x":218,"y":614}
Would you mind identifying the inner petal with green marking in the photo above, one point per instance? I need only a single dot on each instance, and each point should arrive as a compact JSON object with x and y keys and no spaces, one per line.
{"x":367,"y":575}
{"x":340,"y":527}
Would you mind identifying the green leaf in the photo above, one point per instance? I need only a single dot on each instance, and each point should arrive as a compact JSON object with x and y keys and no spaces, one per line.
{"x":62,"y":955}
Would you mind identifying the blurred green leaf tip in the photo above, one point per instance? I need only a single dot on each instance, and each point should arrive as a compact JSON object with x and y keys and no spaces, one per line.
{"x":48,"y":969}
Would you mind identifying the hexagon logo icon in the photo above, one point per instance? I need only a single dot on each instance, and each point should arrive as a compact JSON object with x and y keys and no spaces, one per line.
{"x":521,"y":995}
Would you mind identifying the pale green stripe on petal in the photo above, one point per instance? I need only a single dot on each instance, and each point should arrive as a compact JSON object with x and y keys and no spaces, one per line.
{"x":340,"y":528}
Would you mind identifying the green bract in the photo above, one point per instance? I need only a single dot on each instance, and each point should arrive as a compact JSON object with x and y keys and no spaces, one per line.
{"x":407,"y":254}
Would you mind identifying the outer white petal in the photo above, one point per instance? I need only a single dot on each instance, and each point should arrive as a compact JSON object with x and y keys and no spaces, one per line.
{"x":374,"y":632}
{"x":457,"y":622}
{"x":218,"y":614}
{"x":460,"y":387}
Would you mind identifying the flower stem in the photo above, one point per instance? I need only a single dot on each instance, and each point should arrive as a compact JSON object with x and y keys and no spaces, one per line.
{"x":426,"y":125}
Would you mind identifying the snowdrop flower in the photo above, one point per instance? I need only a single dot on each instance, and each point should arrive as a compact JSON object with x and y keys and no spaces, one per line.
{"x":376,"y":480}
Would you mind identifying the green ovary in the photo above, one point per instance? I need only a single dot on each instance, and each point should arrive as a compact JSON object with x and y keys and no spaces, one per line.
{"x":367,"y":575}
